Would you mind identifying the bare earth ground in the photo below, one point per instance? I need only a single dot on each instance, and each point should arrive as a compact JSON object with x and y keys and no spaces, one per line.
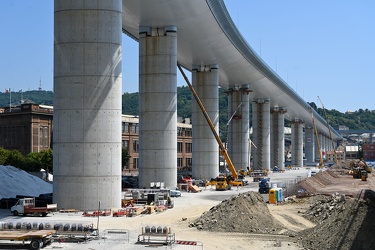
{"x":314,"y":222}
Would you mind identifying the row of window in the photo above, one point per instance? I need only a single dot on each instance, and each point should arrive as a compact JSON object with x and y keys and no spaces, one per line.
{"x":188,"y":147}
{"x":135,"y":146}
{"x":128,"y":127}
{"x":189,"y":162}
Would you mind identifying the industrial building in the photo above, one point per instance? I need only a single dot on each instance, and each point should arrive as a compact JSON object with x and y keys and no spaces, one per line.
{"x":29,"y":128}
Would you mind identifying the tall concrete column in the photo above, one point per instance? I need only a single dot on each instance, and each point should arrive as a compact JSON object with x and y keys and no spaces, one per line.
{"x":238,"y":129}
{"x":277,"y":137}
{"x":297,"y":143}
{"x":158,"y":106}
{"x":87,"y":104}
{"x":309,"y":144}
{"x":261,"y":134}
{"x":205,"y":147}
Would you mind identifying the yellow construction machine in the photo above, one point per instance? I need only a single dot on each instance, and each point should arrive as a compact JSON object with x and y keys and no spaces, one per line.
{"x":360,"y":170}
{"x":243,"y":172}
{"x":223,"y":182}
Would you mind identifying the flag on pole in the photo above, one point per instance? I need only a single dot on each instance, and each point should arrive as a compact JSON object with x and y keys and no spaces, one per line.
{"x":7,"y":90}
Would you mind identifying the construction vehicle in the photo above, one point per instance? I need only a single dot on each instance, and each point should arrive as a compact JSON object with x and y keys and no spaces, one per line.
{"x":243,"y":172}
{"x":230,"y":180}
{"x":362,"y":163}
{"x":264,"y":186}
{"x":36,"y":238}
{"x":26,"y":206}
{"x":222,"y":183}
{"x":360,"y":170}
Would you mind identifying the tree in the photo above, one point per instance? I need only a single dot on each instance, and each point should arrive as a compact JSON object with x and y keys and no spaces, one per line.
{"x":15,"y":159}
{"x":3,"y":156}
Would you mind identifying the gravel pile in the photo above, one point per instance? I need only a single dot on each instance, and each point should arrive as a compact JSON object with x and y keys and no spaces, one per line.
{"x":342,"y":223}
{"x":244,"y":213}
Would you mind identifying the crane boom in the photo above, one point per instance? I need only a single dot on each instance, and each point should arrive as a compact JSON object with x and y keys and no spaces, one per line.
{"x":329,"y":129}
{"x":221,"y":145}
{"x":321,"y":163}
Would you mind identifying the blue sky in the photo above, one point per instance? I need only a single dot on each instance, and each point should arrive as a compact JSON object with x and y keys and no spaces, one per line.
{"x":320,"y":48}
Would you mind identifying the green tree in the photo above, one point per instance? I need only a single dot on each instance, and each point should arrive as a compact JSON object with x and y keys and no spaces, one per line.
{"x":33,"y":162}
{"x":15,"y":159}
{"x":37,"y":160}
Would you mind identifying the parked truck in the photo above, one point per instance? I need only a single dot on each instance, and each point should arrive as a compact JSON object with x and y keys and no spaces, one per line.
{"x":26,"y":206}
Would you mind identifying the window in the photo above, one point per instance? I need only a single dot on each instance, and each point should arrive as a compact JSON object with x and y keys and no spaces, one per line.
{"x":44,"y":136}
{"x":179,"y":147}
{"x":134,"y":128}
{"x":189,"y":147}
{"x":135,"y":163}
{"x":188,"y":132}
{"x":135,"y":146}
{"x":125,"y":144}
{"x":179,"y":132}
{"x":179,"y":162}
{"x":189,"y":162}
{"x":125,"y":127}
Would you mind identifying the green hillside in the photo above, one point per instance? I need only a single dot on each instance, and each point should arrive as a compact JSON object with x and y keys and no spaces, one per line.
{"x":359,"y":119}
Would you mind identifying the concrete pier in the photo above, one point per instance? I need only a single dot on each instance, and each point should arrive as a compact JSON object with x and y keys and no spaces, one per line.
{"x":261,"y":134}
{"x":238,"y":129}
{"x":87,"y":104}
{"x":158,"y":106}
{"x":277,"y":137}
{"x":297,"y":143}
{"x":309,"y":145}
{"x":205,"y":158}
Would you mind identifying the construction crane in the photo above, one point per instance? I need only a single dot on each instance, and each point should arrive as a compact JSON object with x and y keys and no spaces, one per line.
{"x":321,"y":162}
{"x":329,"y":129}
{"x":212,"y":127}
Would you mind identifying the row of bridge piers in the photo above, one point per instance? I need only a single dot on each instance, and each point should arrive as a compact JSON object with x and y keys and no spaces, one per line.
{"x":87,"y":111}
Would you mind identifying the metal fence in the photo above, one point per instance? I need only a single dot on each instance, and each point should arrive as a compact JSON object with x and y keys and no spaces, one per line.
{"x":116,"y":235}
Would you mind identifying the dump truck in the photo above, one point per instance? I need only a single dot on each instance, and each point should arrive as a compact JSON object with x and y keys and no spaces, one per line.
{"x":26,"y":206}
{"x":36,"y":238}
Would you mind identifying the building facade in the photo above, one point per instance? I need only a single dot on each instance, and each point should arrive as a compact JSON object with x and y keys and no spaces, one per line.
{"x":29,"y":128}
{"x":130,"y":140}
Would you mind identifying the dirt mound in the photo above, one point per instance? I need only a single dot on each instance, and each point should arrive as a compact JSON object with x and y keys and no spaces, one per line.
{"x":244,"y":213}
{"x":342,"y":222}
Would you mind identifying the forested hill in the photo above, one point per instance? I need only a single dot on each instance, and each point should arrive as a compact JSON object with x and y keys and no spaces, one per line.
{"x":359,"y":119}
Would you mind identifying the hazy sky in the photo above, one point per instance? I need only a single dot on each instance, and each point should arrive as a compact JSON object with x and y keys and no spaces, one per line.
{"x":322,"y":48}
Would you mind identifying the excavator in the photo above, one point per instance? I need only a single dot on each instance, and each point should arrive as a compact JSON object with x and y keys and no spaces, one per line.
{"x":360,"y":170}
{"x":223,"y":182}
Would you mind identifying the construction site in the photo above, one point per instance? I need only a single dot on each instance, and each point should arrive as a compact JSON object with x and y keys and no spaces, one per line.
{"x":332,"y":209}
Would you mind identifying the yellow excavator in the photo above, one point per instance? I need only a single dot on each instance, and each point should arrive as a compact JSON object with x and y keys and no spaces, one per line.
{"x":360,"y":170}
{"x":223,"y":182}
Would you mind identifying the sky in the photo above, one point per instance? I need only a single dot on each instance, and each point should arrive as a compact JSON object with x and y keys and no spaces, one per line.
{"x":320,"y":48}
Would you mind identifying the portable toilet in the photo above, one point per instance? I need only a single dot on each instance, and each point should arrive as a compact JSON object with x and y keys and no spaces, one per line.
{"x":272,"y":196}
{"x":279,"y":196}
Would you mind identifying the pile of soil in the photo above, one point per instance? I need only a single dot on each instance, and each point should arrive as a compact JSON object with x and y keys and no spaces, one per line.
{"x":244,"y":213}
{"x":342,"y":222}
